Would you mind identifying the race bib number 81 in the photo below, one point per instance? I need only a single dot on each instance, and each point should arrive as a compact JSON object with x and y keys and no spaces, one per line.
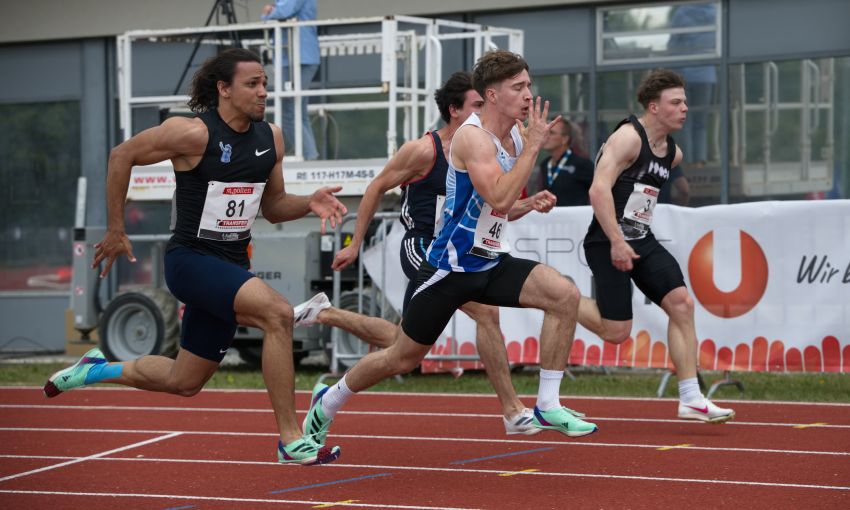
{"x":230,"y":209}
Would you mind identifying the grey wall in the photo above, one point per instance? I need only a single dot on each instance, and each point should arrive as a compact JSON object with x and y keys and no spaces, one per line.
{"x":40,"y":68}
{"x":65,"y":19}
{"x":555,"y":39}
{"x":774,"y":28}
{"x":32,"y":322}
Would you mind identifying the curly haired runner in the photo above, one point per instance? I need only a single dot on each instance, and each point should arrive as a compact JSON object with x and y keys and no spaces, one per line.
{"x":228,"y":164}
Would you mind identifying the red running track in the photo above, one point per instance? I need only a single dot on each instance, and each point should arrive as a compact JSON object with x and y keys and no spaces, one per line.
{"x":128,"y":449}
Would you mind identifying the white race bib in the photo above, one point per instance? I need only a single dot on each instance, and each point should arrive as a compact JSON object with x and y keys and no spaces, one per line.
{"x":230,"y":209}
{"x":491,"y":234}
{"x":438,"y":214}
{"x":638,"y":212}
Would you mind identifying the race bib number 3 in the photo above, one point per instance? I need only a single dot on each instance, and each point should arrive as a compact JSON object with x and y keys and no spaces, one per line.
{"x":638,"y":211}
{"x":230,"y":209}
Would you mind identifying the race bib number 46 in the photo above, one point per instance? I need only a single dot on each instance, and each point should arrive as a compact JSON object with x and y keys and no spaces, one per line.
{"x":230,"y":209}
{"x":491,"y":234}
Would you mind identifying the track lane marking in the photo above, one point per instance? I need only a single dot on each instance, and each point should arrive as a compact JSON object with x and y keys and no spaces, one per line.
{"x":512,"y":473}
{"x":499,"y":472}
{"x":391,"y":413}
{"x":221,"y":498}
{"x":465,"y":395}
{"x":325,"y":484}
{"x":424,"y":438}
{"x":674,"y":447}
{"x":500,"y":456}
{"x":329,"y":505}
{"x":91,"y":457}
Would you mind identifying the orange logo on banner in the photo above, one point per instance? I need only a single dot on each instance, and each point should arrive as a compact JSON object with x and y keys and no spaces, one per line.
{"x":749,"y":291}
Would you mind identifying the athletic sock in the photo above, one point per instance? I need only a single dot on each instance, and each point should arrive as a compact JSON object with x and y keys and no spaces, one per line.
{"x":104,"y":371}
{"x":549,"y":389}
{"x":335,"y":397}
{"x":689,"y":391}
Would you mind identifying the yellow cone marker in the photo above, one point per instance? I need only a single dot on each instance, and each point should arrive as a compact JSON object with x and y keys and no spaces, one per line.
{"x":665,"y":448}
{"x":519,"y":472}
{"x":329,"y":505}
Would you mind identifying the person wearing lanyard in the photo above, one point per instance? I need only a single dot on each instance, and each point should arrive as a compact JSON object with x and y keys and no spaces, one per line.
{"x":566,"y":174}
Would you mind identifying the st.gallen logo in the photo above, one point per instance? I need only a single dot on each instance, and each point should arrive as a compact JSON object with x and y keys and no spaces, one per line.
{"x":750,"y":289}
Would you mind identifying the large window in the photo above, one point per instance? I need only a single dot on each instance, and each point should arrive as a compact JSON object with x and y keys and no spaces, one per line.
{"x":788,"y":129}
{"x":658,"y":32}
{"x":41,"y":162}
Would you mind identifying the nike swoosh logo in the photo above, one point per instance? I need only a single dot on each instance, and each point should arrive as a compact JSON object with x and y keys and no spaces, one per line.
{"x":257,"y":152}
{"x":703,"y":410}
{"x":222,"y":351}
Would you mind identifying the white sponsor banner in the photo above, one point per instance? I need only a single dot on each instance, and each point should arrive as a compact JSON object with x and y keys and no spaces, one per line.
{"x":157,"y":182}
{"x":354,"y":175}
{"x":770,"y":281}
{"x":152,"y":182}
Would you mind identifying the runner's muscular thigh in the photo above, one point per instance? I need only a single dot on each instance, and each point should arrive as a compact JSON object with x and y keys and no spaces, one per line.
{"x":257,"y":305}
{"x":544,"y":286}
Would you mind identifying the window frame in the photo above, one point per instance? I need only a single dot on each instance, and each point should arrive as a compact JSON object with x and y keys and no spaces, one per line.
{"x":602,"y":36}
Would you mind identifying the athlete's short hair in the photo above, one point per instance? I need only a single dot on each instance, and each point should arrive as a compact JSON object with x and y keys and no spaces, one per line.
{"x":204,"y":89}
{"x":495,"y":66}
{"x":453,"y":93}
{"x":655,"y":83}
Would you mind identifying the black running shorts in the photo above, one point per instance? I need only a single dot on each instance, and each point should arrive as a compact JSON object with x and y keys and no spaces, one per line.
{"x":439,"y":293}
{"x":655,"y":273}
{"x":207,"y":285}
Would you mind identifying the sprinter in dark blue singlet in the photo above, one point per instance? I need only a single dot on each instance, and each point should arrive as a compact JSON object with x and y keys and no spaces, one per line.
{"x":631,"y":167}
{"x":497,"y":165}
{"x":420,"y":168}
{"x":227,"y":162}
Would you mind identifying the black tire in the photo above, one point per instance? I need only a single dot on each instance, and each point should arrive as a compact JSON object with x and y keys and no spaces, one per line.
{"x":349,"y":343}
{"x":140,"y":323}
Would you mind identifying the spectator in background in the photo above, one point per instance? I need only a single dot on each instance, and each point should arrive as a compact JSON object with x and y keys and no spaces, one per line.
{"x":302,"y":10}
{"x":566,"y":174}
{"x":676,"y":190}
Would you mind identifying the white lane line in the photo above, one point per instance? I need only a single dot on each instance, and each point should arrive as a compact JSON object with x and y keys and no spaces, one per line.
{"x":447,"y":439}
{"x":90,"y":457}
{"x":472,"y":395}
{"x":392,"y":413}
{"x":500,"y":471}
{"x":234,"y":500}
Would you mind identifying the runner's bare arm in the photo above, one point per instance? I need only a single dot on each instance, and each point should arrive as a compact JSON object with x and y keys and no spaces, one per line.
{"x":412,"y":161}
{"x":473,"y":150}
{"x":179,"y":139}
{"x":542,"y":201}
{"x":619,"y":152}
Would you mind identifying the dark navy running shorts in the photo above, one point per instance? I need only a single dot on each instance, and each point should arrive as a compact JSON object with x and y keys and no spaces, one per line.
{"x":655,"y":273}
{"x":413,"y":248}
{"x":207,"y":285}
